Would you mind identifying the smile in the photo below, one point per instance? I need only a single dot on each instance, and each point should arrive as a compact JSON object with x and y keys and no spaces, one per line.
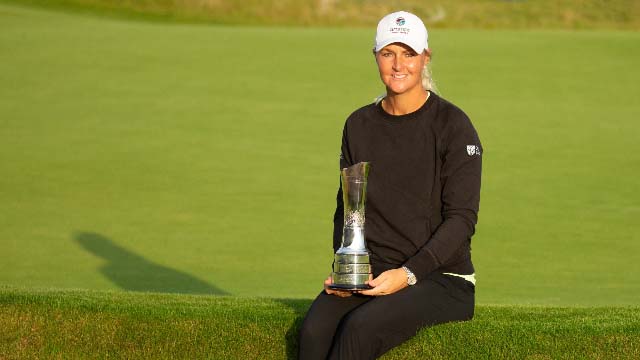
{"x":399,"y":76}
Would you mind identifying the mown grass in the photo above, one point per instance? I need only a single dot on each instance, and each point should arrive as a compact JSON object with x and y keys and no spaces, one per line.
{"x":565,"y":14}
{"x":89,"y":324}
{"x":195,"y":159}
{"x":203,"y":159}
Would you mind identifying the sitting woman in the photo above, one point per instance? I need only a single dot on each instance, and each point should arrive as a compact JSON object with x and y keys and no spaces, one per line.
{"x":422,"y":204}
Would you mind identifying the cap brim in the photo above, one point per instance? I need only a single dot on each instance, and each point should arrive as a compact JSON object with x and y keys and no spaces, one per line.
{"x":416,"y":47}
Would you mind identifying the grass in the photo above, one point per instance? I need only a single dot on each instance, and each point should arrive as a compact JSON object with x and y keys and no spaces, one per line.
{"x":141,"y":158}
{"x":203,"y":159}
{"x":565,"y":14}
{"x":88,"y":324}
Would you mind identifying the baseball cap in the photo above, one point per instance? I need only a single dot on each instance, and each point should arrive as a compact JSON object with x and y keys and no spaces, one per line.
{"x":403,"y":27}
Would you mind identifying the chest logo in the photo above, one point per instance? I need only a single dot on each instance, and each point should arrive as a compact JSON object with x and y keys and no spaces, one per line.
{"x":473,"y":150}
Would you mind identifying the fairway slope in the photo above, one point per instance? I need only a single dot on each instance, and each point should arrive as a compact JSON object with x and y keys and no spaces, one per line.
{"x":90,"y":324}
{"x":568,"y":14}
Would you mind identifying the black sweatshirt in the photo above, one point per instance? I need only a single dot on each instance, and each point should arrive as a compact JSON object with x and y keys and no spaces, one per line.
{"x":423,"y":189}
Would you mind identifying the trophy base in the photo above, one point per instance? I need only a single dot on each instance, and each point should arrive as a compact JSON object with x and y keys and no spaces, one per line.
{"x":349,"y":287}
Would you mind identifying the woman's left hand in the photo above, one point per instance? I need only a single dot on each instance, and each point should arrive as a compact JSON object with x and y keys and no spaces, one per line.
{"x":387,"y":283}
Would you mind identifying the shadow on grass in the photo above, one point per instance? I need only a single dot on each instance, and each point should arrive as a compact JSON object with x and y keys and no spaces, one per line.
{"x":131,"y":271}
{"x":300,"y":307}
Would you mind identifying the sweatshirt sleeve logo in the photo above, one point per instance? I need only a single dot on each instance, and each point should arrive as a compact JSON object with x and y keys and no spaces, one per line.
{"x":473,"y":150}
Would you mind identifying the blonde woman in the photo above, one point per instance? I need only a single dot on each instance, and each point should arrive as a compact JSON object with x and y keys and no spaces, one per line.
{"x":423,"y":197}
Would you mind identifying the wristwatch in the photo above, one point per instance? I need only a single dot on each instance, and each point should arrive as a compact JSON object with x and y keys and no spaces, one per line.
{"x":411,"y":278}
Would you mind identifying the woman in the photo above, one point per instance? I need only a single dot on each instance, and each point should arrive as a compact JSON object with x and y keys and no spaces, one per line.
{"x":423,"y":196}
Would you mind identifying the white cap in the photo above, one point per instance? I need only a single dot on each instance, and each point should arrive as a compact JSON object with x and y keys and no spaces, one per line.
{"x":402,"y":27}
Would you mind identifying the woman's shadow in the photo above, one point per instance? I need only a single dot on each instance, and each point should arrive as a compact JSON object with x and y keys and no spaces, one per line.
{"x":130,"y":271}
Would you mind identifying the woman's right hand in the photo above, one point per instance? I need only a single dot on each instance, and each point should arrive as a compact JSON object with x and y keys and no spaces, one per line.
{"x":328,"y":282}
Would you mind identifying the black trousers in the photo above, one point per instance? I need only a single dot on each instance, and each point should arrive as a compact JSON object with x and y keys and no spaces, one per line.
{"x":365,"y":327}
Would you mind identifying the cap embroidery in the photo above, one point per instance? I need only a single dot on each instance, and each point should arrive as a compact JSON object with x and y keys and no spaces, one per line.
{"x":399,"y":30}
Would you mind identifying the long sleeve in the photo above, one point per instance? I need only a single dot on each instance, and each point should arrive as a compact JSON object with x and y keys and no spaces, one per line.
{"x":460,"y":175}
{"x":423,"y":188}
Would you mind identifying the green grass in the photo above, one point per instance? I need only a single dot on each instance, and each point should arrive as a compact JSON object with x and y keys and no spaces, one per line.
{"x":160,"y":157}
{"x":88,"y":324}
{"x":203,"y":159}
{"x":564,"y":14}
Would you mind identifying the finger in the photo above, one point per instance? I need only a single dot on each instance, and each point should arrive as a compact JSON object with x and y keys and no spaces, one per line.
{"x":378,"y":289}
{"x":328,"y":281}
{"x":379,"y":280}
{"x":339,"y":293}
{"x":329,"y":290}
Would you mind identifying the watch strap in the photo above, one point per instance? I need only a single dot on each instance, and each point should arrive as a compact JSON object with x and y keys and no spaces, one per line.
{"x":411,"y":277}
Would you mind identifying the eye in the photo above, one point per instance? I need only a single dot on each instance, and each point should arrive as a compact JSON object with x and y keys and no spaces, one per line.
{"x":387,"y":54}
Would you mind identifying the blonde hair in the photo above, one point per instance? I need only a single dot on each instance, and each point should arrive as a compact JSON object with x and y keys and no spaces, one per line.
{"x":427,"y":78}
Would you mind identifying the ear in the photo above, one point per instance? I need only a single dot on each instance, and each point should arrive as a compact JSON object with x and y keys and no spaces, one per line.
{"x":427,"y":54}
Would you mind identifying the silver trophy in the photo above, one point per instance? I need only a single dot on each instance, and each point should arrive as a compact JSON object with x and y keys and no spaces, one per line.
{"x":351,"y":267}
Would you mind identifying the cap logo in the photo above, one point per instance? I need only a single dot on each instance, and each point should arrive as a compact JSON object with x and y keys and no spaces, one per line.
{"x":400,"y":27}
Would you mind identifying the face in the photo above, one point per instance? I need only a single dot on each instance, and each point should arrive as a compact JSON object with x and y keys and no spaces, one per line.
{"x":401,"y":68}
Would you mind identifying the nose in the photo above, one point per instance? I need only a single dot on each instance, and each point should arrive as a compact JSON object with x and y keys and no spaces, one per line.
{"x":397,"y":63}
